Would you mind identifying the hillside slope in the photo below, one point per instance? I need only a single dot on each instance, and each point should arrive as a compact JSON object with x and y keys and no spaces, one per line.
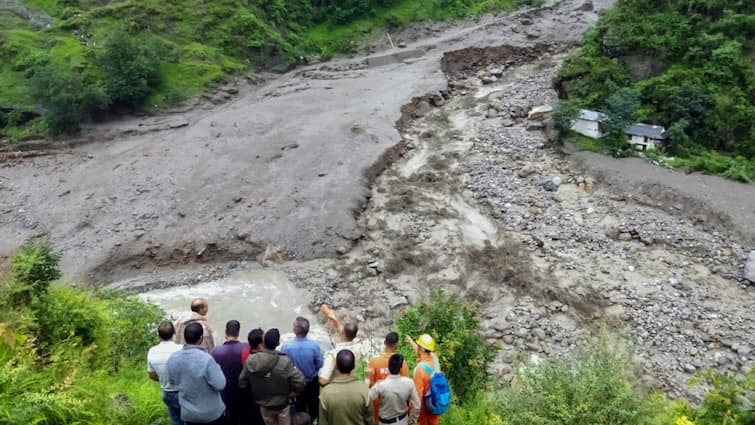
{"x":74,"y":59}
{"x":691,"y":64}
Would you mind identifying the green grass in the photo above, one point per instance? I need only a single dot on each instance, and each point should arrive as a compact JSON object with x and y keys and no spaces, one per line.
{"x":584,"y":143}
{"x":332,"y":38}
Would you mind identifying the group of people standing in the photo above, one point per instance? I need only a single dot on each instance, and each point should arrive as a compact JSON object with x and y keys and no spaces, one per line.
{"x":261,"y":382}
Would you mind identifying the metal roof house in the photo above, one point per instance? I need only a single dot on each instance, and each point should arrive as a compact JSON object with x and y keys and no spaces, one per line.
{"x":588,"y":123}
{"x":646,"y":136}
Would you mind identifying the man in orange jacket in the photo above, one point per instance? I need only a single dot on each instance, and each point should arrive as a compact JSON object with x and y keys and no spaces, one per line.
{"x":424,"y":348}
{"x":377,"y":369}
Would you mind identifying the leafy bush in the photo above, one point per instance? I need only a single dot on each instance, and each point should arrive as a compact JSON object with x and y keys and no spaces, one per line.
{"x":75,"y":356}
{"x":464,"y":354}
{"x":592,"y":386}
{"x":35,"y":265}
{"x":729,"y":400}
{"x":66,"y":97}
{"x":131,"y":74}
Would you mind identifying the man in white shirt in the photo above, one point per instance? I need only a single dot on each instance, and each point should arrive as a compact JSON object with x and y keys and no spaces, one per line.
{"x":399,"y":402}
{"x":347,"y":332}
{"x":157,"y":358}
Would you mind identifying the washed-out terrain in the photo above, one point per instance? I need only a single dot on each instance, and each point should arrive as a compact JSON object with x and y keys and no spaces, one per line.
{"x":369,"y":182}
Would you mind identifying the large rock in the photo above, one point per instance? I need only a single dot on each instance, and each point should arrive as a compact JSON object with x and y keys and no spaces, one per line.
{"x":586,"y":7}
{"x":750,"y":267}
{"x":539,"y":113}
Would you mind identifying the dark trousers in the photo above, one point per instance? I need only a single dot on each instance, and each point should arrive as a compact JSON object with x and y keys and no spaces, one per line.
{"x":170,"y":398}
{"x":222,"y":420}
{"x":309,"y":399}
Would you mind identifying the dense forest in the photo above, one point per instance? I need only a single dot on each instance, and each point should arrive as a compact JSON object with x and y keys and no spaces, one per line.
{"x":684,"y":64}
{"x":72,"y":60}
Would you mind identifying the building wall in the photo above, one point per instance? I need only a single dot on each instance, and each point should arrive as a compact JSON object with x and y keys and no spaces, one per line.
{"x":643,"y":143}
{"x":587,"y":128}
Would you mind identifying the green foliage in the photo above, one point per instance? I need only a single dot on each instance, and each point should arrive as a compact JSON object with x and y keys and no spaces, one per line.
{"x":564,"y":115}
{"x":75,"y":356}
{"x":66,"y":97}
{"x":729,"y":400}
{"x":464,"y":354}
{"x":592,"y":386}
{"x":621,"y":111}
{"x":692,"y":63}
{"x":35,"y":265}
{"x":131,"y":73}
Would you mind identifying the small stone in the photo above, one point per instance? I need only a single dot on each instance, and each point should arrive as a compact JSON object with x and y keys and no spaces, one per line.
{"x":626,"y":237}
{"x":535,"y":126}
{"x":550,"y":186}
{"x":372,"y":224}
{"x":508,"y":339}
{"x":341,"y":250}
{"x":750,"y":267}
{"x":533,"y":347}
{"x":507,"y":123}
{"x":496,"y":72}
{"x":556,"y":181}
{"x":689,"y":368}
{"x":527,"y":170}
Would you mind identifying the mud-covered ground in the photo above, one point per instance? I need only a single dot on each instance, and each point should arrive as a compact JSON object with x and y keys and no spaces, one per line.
{"x":550,"y":246}
{"x":421,"y":173}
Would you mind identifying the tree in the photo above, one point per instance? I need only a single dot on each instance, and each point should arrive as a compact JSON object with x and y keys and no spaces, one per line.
{"x":67,"y":98}
{"x":131,"y":74}
{"x":564,"y":115}
{"x":621,"y":111}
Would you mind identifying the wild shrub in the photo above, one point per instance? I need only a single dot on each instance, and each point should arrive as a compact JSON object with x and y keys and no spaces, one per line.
{"x":592,"y":386}
{"x":464,"y":354}
{"x":67,"y":98}
{"x":131,"y":73}
{"x":35,"y":265}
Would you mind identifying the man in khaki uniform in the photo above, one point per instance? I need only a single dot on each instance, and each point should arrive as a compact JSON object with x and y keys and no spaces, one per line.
{"x":399,"y":402}
{"x":346,"y":400}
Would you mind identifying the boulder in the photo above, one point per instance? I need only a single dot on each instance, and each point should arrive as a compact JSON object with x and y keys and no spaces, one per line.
{"x":750,"y":267}
{"x":535,"y":126}
{"x":585,"y":7}
{"x":539,"y":113}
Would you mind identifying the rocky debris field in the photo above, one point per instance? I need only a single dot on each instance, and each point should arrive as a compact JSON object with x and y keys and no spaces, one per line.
{"x":481,"y":204}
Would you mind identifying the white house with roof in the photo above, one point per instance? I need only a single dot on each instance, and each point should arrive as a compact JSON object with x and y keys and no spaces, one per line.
{"x":589,"y":123}
{"x":644,"y":137}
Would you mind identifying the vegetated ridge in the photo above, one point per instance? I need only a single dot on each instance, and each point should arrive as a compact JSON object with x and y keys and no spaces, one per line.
{"x":72,"y":60}
{"x":686,"y":65}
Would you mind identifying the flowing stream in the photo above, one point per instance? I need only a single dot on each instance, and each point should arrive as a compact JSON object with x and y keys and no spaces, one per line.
{"x":256,"y":298}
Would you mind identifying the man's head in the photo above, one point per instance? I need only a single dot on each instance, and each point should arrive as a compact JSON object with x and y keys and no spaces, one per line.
{"x":345,"y":361}
{"x":193,"y":333}
{"x":200,"y":306}
{"x":395,"y":362}
{"x":350,"y":330}
{"x":301,"y":326}
{"x":272,"y":338}
{"x":255,"y":338}
{"x":232,"y":329}
{"x":166,"y":330}
{"x":391,"y":341}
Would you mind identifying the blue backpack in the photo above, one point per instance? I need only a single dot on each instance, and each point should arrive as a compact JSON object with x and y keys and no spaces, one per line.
{"x":437,"y":398}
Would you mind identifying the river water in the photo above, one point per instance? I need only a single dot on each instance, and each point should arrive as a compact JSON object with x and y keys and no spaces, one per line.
{"x":256,"y":298}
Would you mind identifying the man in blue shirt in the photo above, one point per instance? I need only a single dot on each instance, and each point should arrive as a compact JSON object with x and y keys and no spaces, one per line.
{"x":198,"y":379}
{"x":228,"y":356}
{"x":307,"y":357}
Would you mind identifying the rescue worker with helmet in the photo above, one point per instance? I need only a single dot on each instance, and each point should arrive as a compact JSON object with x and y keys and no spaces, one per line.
{"x":424,"y":347}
